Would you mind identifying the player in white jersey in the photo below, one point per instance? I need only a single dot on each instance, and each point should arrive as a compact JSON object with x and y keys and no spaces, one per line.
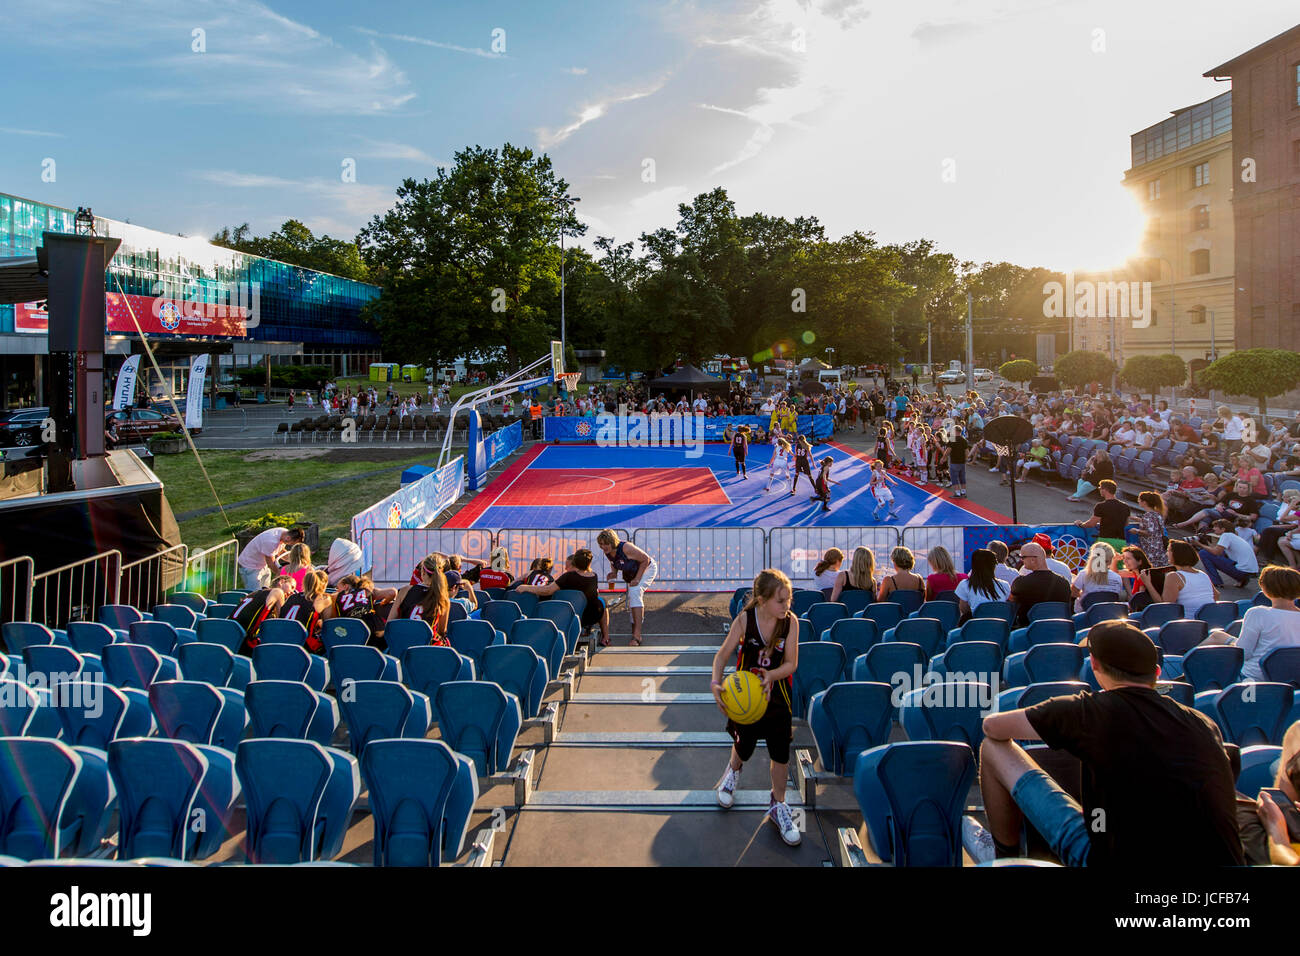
{"x":880,"y":490}
{"x":778,"y":469}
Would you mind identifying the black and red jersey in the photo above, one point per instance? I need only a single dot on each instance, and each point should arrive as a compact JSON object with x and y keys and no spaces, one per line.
{"x":302,"y":609}
{"x":250,"y":613}
{"x":752,"y":654}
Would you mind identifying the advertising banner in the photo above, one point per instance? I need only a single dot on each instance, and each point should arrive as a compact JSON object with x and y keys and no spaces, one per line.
{"x":413,"y":506}
{"x":125,"y":391}
{"x":194,"y":392}
{"x":157,"y":316}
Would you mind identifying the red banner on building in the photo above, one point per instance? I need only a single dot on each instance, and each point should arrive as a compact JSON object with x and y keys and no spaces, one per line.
{"x":157,"y":316}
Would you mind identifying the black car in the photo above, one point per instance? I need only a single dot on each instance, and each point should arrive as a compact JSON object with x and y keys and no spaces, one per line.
{"x":21,"y":427}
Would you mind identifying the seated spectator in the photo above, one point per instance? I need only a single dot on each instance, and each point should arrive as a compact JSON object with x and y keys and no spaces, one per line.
{"x":1142,"y":437}
{"x":1133,"y":561}
{"x":358,"y":597}
{"x":1124,"y":434}
{"x":1099,"y":469}
{"x":1229,"y":555}
{"x":427,"y":601}
{"x":1266,"y":836}
{"x":1032,"y":460}
{"x":345,"y":559}
{"x":1180,"y":430}
{"x":827,"y":570}
{"x":1002,"y":570}
{"x":983,"y":584}
{"x":1037,"y":584}
{"x":578,"y":576}
{"x":1149,"y":763}
{"x":1267,"y":627}
{"x":1096,"y":575}
{"x":903,"y":578}
{"x":1183,"y":582}
{"x":944,"y":575}
{"x":860,"y":576}
{"x":299,"y":563}
{"x":494,"y":573}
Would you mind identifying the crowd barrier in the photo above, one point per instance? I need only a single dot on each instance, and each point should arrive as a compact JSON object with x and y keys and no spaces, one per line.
{"x":526,"y":544}
{"x":16,"y":589}
{"x":638,"y":430}
{"x":396,"y":551}
{"x":216,"y":569}
{"x":145,"y":583}
{"x":76,"y":591}
{"x":691,"y":557}
{"x":503,"y":442}
{"x":796,"y":551}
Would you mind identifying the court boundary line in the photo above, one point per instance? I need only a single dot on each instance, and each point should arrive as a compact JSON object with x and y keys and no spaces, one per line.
{"x":477,"y":508}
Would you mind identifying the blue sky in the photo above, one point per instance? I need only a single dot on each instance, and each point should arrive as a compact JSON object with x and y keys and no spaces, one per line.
{"x":841,"y":109}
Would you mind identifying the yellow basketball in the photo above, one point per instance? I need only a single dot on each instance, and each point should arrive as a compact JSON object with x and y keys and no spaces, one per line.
{"x":742,"y":697}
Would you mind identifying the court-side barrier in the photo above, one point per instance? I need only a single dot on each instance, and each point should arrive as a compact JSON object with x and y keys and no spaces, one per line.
{"x":637,"y":430}
{"x":396,"y":551}
{"x":704,"y":557}
{"x":796,"y":551}
{"x":525,"y":544}
{"x":1069,"y":543}
{"x":213,"y":570}
{"x":76,"y":591}
{"x":413,"y":506}
{"x":145,"y":583}
{"x":16,"y":589}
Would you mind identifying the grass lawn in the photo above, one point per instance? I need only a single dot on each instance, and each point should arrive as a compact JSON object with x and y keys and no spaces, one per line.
{"x":238,"y":475}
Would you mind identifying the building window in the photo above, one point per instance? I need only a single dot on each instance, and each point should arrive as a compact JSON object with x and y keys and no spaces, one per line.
{"x":1201,"y":217}
{"x":1201,"y":175}
{"x":1200,"y":262}
{"x":1153,"y":190}
{"x":1197,"y":314}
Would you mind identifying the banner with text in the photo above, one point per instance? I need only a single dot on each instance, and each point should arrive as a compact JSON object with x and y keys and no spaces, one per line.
{"x":157,"y":315}
{"x":194,"y":392}
{"x":414,"y":506}
{"x":635,"y":428}
{"x":124,"y":394}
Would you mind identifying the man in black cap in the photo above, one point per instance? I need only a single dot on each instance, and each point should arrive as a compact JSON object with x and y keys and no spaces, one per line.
{"x":1157,"y":784}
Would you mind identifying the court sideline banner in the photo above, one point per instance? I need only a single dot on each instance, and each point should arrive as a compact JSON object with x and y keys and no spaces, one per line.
{"x":637,"y":430}
{"x":414,"y":506}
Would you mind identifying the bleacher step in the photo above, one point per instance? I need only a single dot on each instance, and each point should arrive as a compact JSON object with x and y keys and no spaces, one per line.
{"x":667,"y":738}
{"x":681,"y":669}
{"x":642,"y":698}
{"x":650,"y":799}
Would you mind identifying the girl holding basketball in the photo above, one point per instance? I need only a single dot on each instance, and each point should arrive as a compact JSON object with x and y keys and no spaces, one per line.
{"x":765,"y":641}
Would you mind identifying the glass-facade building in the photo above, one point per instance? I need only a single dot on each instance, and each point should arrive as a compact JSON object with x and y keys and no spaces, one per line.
{"x":305,"y":317}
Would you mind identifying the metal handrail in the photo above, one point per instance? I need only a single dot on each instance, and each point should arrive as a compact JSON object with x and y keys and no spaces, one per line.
{"x":199,"y":575}
{"x":69,"y":577}
{"x":152,"y":576}
{"x":9,"y":594}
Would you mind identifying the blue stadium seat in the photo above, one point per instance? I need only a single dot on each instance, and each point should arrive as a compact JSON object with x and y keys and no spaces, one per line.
{"x":403,"y":634}
{"x":855,"y":601}
{"x":92,"y":714}
{"x":578,"y":601}
{"x":1055,"y":610}
{"x":972,"y":658}
{"x":299,"y":796}
{"x":909,"y":601}
{"x":456,"y":612}
{"x":479,"y":720}
{"x":1250,"y":713}
{"x":912,"y":795}
{"x":821,"y":664}
{"x":848,"y":718}
{"x":1259,"y":765}
{"x":119,"y":617}
{"x":544,"y":638}
{"x":929,"y":632}
{"x":527,"y":602}
{"x":214,"y":664}
{"x":380,"y":709}
{"x":353,"y":662}
{"x":1017,"y":698}
{"x":166,"y":788}
{"x":562,"y":615}
{"x":883,"y":661}
{"x":90,"y":637}
{"x":421,"y":793}
{"x":344,"y":631}
{"x":1179,"y":637}
{"x":177,"y":615}
{"x":229,"y":634}
{"x":193,"y":600}
{"x":20,"y":634}
{"x":886,"y":614}
{"x":501,"y":614}
{"x":278,"y":630}
{"x":520,"y":671}
{"x":946,"y":613}
{"x":738,"y":599}
{"x":495,"y":594}
{"x":290,"y":662}
{"x":220,"y":611}
{"x":1100,"y":611}
{"x":1043,"y":662}
{"x":1160,"y":613}
{"x":51,"y":663}
{"x":949,"y":596}
{"x":426,"y":668}
{"x":138,"y":666}
{"x":1220,"y":614}
{"x":288,"y":709}
{"x":1213,"y":667}
{"x":819,"y":618}
{"x":855,"y":634}
{"x":231,"y":597}
{"x":949,"y":711}
{"x":160,"y":636}
{"x":993,"y":629}
{"x":1042,"y":631}
{"x":1282,"y":665}
{"x":471,"y":637}
{"x":803,"y":599}
{"x":54,"y":799}
{"x":1178,"y":690}
{"x":198,"y":713}
{"x":1002,"y":610}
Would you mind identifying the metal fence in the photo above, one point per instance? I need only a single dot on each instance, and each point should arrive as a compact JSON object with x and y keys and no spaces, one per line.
{"x":526,"y":544}
{"x":76,"y":591}
{"x":796,"y":551}
{"x":146,"y":582}
{"x":713,"y":557}
{"x":16,"y":576}
{"x":396,"y":551}
{"x":213,"y":570}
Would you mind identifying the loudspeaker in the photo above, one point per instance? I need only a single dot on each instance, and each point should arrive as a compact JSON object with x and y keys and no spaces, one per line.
{"x":76,"y":266}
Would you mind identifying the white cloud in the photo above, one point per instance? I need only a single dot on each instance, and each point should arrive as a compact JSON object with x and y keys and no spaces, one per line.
{"x":546,"y":138}
{"x":383,"y":149}
{"x":436,"y":44}
{"x":577,"y":70}
{"x":13,"y":131}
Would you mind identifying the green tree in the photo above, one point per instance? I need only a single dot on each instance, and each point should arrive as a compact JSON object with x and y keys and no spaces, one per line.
{"x":1259,"y":373}
{"x":1150,"y":373}
{"x":295,"y":244}
{"x":1018,"y":370}
{"x":1076,"y":369}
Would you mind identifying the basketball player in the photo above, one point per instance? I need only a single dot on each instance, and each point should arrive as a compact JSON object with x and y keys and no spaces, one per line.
{"x":427,"y":601}
{"x":765,"y":641}
{"x":740,"y":449}
{"x":258,"y":606}
{"x":880,"y":490}
{"x":802,"y":462}
{"x":358,"y":597}
{"x":308,"y":607}
{"x":778,"y":469}
{"x":885,"y":443}
{"x":823,"y":483}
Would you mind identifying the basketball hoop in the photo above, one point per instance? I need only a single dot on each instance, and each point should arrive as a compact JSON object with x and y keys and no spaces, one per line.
{"x":569,"y":381}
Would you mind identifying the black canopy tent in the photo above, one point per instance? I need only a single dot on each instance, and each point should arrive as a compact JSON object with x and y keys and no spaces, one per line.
{"x":688,"y":378}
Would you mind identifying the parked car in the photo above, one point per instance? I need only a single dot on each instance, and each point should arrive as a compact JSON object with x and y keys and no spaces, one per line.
{"x":952,"y":377}
{"x":136,"y":424}
{"x":21,"y":427}
{"x":984,"y":375}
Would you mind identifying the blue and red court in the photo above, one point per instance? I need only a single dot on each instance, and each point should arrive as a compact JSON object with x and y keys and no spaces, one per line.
{"x":586,"y":486}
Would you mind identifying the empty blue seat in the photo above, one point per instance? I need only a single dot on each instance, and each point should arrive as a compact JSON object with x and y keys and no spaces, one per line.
{"x":193,"y":600}
{"x":380,"y":709}
{"x":220,"y":611}
{"x":578,"y":601}
{"x":527,"y":602}
{"x":156,"y":634}
{"x":1002,"y":610}
{"x":282,"y":630}
{"x":1282,"y":665}
{"x":1019,"y":697}
{"x":20,"y":634}
{"x":1052,"y":662}
{"x":50,"y":664}
{"x":886,"y":614}
{"x":1177,"y":690}
{"x":912,"y":795}
{"x":819,"y":618}
{"x":427,"y":668}
{"x":494,"y":594}
{"x":290,"y":662}
{"x":93,"y":713}
{"x":1100,"y":611}
{"x":856,"y":635}
{"x":341,"y":631}
{"x":883,"y":661}
{"x":289,"y":709}
{"x":993,"y":629}
{"x":520,"y":671}
{"x":820,"y":665}
{"x":909,"y":601}
{"x":90,"y":637}
{"x":1179,"y":637}
{"x":738,"y":599}
{"x":803,"y":599}
{"x":138,"y":666}
{"x":949,"y":711}
{"x":544,"y":638}
{"x":198,"y":713}
{"x":1250,"y":713}
{"x":299,"y":796}
{"x":1042,"y":631}
{"x":233,"y":596}
{"x":214,"y":664}
{"x":177,"y":615}
{"x":978,"y":660}
{"x":481,"y":721}
{"x":855,"y":601}
{"x":1154,"y":615}
{"x":848,"y":718}
{"x":421,"y":795}
{"x":1259,"y":765}
{"x":946,"y":613}
{"x":403,"y":634}
{"x":1220,"y":614}
{"x":1213,"y":667}
{"x":119,"y":617}
{"x":471,"y":637}
{"x":354,"y":662}
{"x":175,"y":798}
{"x":501,"y":614}
{"x":1054,"y":610}
{"x":929,"y":632}
{"x":229,"y":634}
{"x":54,"y":798}
{"x":562,"y":615}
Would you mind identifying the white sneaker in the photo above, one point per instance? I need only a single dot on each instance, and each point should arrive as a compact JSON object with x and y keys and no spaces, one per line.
{"x":994,"y":468}
{"x":784,"y":820}
{"x":977,"y":840}
{"x":727,"y":789}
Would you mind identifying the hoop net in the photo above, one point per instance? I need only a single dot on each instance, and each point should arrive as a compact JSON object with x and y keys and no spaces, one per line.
{"x":569,"y":381}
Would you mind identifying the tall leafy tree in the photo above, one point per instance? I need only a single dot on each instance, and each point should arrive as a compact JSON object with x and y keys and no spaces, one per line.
{"x":295,"y":244}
